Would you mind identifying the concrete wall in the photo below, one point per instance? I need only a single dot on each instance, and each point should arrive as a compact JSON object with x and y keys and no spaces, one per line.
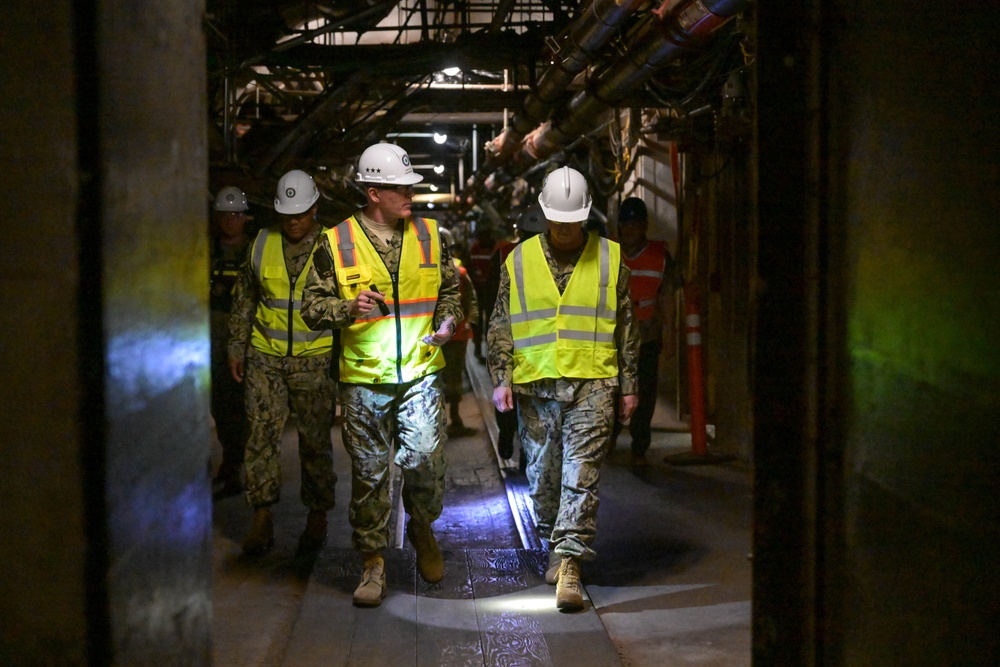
{"x":914,"y":135}
{"x":876,"y":371}
{"x":42,"y":606}
{"x":106,"y":516}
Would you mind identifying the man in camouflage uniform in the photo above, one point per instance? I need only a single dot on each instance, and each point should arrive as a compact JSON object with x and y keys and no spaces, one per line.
{"x":286,"y":367}
{"x":564,"y":348}
{"x":384,"y":278}
{"x":229,"y":248}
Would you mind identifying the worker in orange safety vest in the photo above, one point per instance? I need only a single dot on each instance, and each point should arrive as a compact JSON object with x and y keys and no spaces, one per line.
{"x":650,"y":286}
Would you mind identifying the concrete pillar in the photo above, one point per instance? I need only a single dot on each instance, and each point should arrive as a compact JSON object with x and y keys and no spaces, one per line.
{"x":106,"y":514}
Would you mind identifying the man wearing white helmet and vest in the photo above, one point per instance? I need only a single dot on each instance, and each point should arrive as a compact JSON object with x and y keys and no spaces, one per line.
{"x":385,"y":279}
{"x":563,"y":345}
{"x":229,"y":247}
{"x":285,"y":366}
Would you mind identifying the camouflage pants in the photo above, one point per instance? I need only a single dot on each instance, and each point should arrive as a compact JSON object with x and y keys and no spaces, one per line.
{"x":275,"y":386}
{"x":565,"y":443}
{"x":411,"y":415}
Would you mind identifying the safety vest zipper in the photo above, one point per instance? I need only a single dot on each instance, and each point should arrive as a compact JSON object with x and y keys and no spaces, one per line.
{"x":291,"y":314}
{"x":399,"y":326}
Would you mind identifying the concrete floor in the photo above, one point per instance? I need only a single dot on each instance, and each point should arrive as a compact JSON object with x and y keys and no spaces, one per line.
{"x":670,"y":586}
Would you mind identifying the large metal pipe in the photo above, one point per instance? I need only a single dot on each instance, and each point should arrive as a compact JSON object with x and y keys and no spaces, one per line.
{"x":658,"y":42}
{"x":599,"y":23}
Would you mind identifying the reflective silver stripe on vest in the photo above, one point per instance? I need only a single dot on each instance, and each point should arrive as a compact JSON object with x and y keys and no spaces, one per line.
{"x":573,"y":334}
{"x":587,"y":311}
{"x":521,"y":343}
{"x":297,"y":336}
{"x":645,"y":303}
{"x":344,"y":245}
{"x":540,"y":314}
{"x":648,"y":273}
{"x":424,"y":236}
{"x":258,"y":252}
{"x":602,"y":297}
{"x":405,"y":310}
{"x":282,"y":304}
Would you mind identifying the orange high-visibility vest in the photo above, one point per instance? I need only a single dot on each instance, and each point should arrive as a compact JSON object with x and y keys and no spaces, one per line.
{"x":648,"y":269}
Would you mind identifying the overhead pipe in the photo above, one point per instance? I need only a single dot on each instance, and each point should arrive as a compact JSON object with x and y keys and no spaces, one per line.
{"x":667,"y":35}
{"x":586,"y":35}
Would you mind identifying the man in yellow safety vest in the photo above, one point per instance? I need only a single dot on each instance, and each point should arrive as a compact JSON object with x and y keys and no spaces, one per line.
{"x":385,"y":279}
{"x":285,"y":366}
{"x":562,"y":341}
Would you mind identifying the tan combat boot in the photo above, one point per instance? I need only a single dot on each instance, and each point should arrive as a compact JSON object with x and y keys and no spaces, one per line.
{"x":552,"y":572}
{"x":261,"y":535}
{"x":314,"y":536}
{"x":569,"y":590}
{"x":429,"y":560}
{"x":371,"y":590}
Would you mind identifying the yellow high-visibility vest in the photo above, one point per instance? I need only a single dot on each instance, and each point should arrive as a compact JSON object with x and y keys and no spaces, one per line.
{"x":571,"y":335}
{"x":388,"y":348}
{"x":278,"y":328}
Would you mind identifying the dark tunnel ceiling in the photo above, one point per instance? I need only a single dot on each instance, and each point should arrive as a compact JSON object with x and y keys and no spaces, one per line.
{"x":310,"y":84}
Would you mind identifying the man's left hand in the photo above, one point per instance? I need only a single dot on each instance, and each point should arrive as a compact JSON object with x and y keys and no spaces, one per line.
{"x":628,"y":405}
{"x":443,"y":334}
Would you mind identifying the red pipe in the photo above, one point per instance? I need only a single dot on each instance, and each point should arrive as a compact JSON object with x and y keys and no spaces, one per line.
{"x":696,"y":386}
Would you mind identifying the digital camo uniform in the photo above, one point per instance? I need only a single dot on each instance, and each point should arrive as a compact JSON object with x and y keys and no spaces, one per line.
{"x":565,"y":491}
{"x":277,"y":385}
{"x":370,"y":417}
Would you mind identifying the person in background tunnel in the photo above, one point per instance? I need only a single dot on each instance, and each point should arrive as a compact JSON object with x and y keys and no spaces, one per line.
{"x":286,"y":367}
{"x":486,"y":250}
{"x":385,"y":279}
{"x":563,"y":342}
{"x":228,"y":249}
{"x":651,"y":285}
{"x":454,"y":349}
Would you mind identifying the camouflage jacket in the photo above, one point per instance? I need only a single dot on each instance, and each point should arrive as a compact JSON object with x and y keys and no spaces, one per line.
{"x":500,"y":342}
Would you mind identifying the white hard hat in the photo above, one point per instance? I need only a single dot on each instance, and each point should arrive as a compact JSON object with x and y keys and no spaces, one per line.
{"x":296,"y":192}
{"x":231,"y":198}
{"x":388,"y":164}
{"x":565,"y":196}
